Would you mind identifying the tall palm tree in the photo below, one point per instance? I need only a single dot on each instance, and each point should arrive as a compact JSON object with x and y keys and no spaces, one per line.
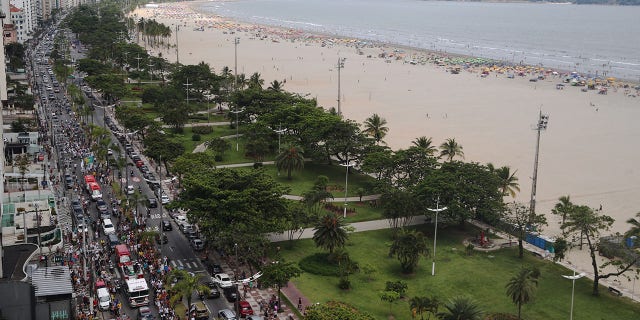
{"x":426,"y":144}
{"x":461,"y":308}
{"x":635,"y":226}
{"x":329,"y":233}
{"x":255,"y":81}
{"x":291,"y":158}
{"x":275,"y":86}
{"x":185,"y":285}
{"x":508,"y":181}
{"x":451,"y":149}
{"x":564,"y":208}
{"x":522,"y":286}
{"x":375,"y":126}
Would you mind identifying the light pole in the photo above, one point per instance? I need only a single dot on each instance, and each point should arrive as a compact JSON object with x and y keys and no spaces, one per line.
{"x":435,"y":234}
{"x":340,"y":66}
{"x":280,"y":131}
{"x":237,"y":126}
{"x":346,"y":185}
{"x":543,"y":120}
{"x":35,"y":204}
{"x":573,"y":279}
{"x":187,"y":85}
{"x":236,"y":41}
{"x":177,"y":55}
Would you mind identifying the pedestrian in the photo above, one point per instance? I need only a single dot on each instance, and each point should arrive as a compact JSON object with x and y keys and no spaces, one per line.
{"x":299,"y":303}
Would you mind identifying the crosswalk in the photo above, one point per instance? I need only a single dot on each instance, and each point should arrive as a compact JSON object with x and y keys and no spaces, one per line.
{"x":187,"y":264}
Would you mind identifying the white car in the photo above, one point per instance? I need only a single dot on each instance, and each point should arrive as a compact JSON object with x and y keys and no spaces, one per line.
{"x":164,"y":199}
{"x":223,"y":280}
{"x":108,"y":226}
{"x":181,"y":219}
{"x":130,"y":189}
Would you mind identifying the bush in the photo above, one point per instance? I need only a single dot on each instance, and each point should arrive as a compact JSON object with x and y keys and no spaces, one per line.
{"x":319,"y":264}
{"x":344,"y":284}
{"x":398,"y":286}
{"x":202,"y":129}
{"x":257,"y":165}
{"x":217,"y":158}
{"x":195,"y":137}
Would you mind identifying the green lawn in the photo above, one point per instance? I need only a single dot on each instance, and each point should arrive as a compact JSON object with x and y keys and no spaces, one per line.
{"x":184,"y":138}
{"x":482,"y":277}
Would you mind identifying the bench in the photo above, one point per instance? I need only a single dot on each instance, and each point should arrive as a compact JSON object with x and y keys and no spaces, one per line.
{"x":615,"y":291}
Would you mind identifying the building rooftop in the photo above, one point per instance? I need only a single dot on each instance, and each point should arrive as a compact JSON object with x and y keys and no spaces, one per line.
{"x":51,"y":281}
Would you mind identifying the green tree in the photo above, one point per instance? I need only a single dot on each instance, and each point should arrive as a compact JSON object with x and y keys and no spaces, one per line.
{"x":408,"y":247}
{"x":451,"y":149}
{"x":586,"y":224}
{"x":391,"y":297}
{"x":563,"y":208}
{"x":522,"y":286}
{"x":185,"y":285}
{"x":218,"y":145}
{"x":291,"y":158}
{"x":278,"y":274}
{"x":22,"y":162}
{"x":375,"y":127}
{"x":329,"y":233}
{"x":399,"y":208}
{"x":461,"y":308}
{"x":635,"y":226}
{"x":425,"y":144}
{"x":520,"y":217}
{"x":160,"y":148}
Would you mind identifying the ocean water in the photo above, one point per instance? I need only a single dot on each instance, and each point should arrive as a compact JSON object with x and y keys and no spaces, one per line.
{"x":595,"y":40}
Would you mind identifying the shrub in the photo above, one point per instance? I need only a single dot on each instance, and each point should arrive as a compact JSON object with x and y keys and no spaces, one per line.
{"x":195,"y":137}
{"x":257,"y":165}
{"x":217,"y":158}
{"x":398,"y":286}
{"x":202,"y":129}
{"x":319,"y":264}
{"x":344,"y":284}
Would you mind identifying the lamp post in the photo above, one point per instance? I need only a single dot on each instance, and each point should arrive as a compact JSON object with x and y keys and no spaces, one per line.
{"x":573,"y":279}
{"x":236,"y":41}
{"x":177,"y":55}
{"x":237,"y":126}
{"x":435,"y":234}
{"x":346,"y":186}
{"x":187,"y":85}
{"x":543,"y":120}
{"x":340,"y":66}
{"x":35,"y":204}
{"x":280,"y":131}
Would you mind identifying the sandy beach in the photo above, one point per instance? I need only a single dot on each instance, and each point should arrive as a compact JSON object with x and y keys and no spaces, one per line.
{"x":589,"y":150}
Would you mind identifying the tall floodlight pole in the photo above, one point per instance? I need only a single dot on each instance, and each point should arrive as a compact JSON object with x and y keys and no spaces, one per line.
{"x":177,"y":52}
{"x":435,"y":234}
{"x":543,"y":120}
{"x":346,"y":185}
{"x":35,"y":204}
{"x":236,"y":41}
{"x":340,"y":66}
{"x":573,"y":279}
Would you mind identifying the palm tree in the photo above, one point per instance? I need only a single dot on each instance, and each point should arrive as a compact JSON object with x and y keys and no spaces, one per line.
{"x":521,"y":287}
{"x":408,"y":247}
{"x":374,"y":126}
{"x":508,"y":181}
{"x":291,"y":158}
{"x":564,"y":208}
{"x":421,"y":305}
{"x":255,"y":81}
{"x":329,"y":233}
{"x":635,"y":226}
{"x":275,"y":86}
{"x":451,"y":149}
{"x":461,"y":308}
{"x":426,"y":144}
{"x":185,"y":285}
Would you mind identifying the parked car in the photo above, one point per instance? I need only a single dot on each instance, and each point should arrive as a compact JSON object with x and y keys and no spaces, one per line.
{"x":166,"y":225}
{"x":108,"y":227}
{"x":197,"y":244}
{"x":199,"y":310}
{"x":164,"y":199}
{"x":214,"y":293}
{"x":191,"y":235}
{"x":245,"y":308}
{"x":130,"y":189}
{"x":223,"y":280}
{"x":230,"y":294}
{"x":216,"y":268}
{"x":144,"y":313}
{"x":152,"y":203}
{"x":227,"y":314}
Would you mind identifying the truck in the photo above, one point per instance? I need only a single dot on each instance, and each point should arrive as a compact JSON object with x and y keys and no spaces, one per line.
{"x":123,"y":257}
{"x":92,"y":187}
{"x":137,"y":292}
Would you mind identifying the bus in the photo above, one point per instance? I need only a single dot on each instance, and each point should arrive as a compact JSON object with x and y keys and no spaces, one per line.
{"x":137,"y":292}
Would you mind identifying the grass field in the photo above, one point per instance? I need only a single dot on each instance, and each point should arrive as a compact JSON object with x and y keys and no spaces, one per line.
{"x":481,"y":276}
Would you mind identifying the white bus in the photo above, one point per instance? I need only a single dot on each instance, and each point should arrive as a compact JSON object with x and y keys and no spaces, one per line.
{"x":137,"y":292}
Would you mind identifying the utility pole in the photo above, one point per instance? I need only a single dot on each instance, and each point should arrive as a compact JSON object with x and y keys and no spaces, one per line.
{"x":340,"y":66}
{"x":543,"y":120}
{"x":177,"y":52}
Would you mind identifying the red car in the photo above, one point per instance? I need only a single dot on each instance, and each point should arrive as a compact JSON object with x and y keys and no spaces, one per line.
{"x":139,"y":163}
{"x":245,"y":309}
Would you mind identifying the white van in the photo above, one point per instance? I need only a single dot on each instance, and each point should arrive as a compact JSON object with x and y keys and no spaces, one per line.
{"x":108,"y":227}
{"x":104,"y":299}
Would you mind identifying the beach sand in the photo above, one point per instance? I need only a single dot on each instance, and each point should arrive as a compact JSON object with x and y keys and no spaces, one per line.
{"x":589,"y":150}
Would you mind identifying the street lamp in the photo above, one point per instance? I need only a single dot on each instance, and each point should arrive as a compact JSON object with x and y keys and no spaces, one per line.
{"x":346,"y":185}
{"x":187,"y":85}
{"x":435,"y":234}
{"x":340,"y":66}
{"x":236,"y":41}
{"x":35,"y":204}
{"x":573,"y":279}
{"x":280,"y":131}
{"x":237,"y":125}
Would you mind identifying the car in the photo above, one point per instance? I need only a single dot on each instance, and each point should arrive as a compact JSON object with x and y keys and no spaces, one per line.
{"x":190,"y":235}
{"x":223,"y":280}
{"x":181,"y":220}
{"x":245,"y":308}
{"x":152,"y":203}
{"x":197,"y":244}
{"x":166,"y":225}
{"x":102,"y":206}
{"x":139,"y":163}
{"x":130,"y":189}
{"x":216,"y":268}
{"x":83,"y":226}
{"x":164,"y":199}
{"x":199,"y":310}
{"x":69,"y":182}
{"x":186,"y":227}
{"x":227,"y":314}
{"x":144,"y":313}
{"x":108,"y":227}
{"x":214,"y":293}
{"x":144,"y":169}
